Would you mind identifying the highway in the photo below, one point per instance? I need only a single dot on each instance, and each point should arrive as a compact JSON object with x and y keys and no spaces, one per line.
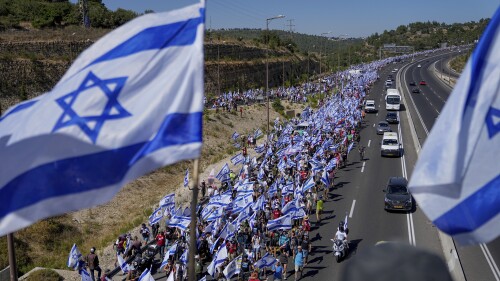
{"x":358,"y":187}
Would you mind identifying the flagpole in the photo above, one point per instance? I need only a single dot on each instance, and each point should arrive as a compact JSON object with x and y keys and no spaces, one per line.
{"x":12,"y":257}
{"x":192,"y":227}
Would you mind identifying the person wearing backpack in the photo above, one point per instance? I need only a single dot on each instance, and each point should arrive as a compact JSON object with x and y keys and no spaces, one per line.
{"x":92,"y":262}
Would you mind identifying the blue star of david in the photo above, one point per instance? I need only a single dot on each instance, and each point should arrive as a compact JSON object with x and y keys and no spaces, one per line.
{"x":112,"y":109}
{"x":493,"y":128}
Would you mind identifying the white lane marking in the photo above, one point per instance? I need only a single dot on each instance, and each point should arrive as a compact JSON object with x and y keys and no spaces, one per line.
{"x":373,"y":126}
{"x":491,"y":261}
{"x":409,"y":216}
{"x":369,"y":141}
{"x":352,"y":208}
{"x":363,"y":167}
{"x":375,"y":115}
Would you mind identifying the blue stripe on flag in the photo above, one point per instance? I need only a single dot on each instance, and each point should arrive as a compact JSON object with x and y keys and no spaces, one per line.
{"x":178,"y":34}
{"x":478,"y":59}
{"x":93,"y":171}
{"x":18,"y":108}
{"x":473,"y":212}
{"x":177,"y":128}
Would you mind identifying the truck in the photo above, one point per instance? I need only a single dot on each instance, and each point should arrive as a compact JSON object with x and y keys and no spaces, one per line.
{"x":390,"y":145}
{"x":392,"y":100}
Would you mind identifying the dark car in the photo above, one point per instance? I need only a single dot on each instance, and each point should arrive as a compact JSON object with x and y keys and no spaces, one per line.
{"x":383,"y":127}
{"x":423,"y":83}
{"x":392,"y":118}
{"x":412,"y":83}
{"x":397,"y":196}
{"x":415,"y":90}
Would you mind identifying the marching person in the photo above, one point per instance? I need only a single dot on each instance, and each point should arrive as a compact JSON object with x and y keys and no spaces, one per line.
{"x":92,"y":262}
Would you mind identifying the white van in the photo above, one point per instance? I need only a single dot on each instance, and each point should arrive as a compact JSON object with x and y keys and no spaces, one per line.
{"x":390,"y":145}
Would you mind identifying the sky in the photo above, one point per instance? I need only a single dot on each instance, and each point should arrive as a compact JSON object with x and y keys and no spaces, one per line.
{"x":347,"y":18}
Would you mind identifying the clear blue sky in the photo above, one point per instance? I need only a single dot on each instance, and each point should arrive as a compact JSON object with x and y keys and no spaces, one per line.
{"x":357,"y":18}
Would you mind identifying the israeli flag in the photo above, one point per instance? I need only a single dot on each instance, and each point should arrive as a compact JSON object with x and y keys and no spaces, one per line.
{"x":171,"y":251}
{"x":237,"y":145}
{"x":349,"y":148}
{"x":180,"y":222}
{"x":267,"y":260}
{"x":284,"y":222}
{"x":257,"y":133}
{"x":184,"y":256}
{"x":298,"y":214}
{"x":85,"y":275}
{"x":308,"y":184}
{"x":218,"y":260}
{"x":74,"y":257}
{"x":324,"y":179}
{"x":238,"y":158}
{"x":112,"y":117}
{"x":233,"y":268}
{"x":287,"y":189}
{"x":146,"y":276}
{"x":456,"y":180}
{"x":156,"y":216}
{"x":259,"y":204}
{"x":168,"y":200}
{"x":186,"y":178}
{"x":260,"y":148}
{"x":223,"y":174}
{"x":123,"y":265}
{"x":235,"y":136}
{"x":289,"y":207}
{"x":203,"y":279}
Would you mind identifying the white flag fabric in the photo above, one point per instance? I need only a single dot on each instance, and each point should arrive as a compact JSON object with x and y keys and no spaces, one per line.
{"x":156,"y":216}
{"x":266,"y":261}
{"x":456,"y":180}
{"x":171,"y":251}
{"x":123,"y":265}
{"x":238,"y":158}
{"x":85,"y":275}
{"x":223,"y":174}
{"x":74,"y":257}
{"x":130,"y":103}
{"x":186,"y":178}
{"x":171,"y":276}
{"x":146,"y":276}
{"x":179,"y":222}
{"x":233,"y":268}
{"x":284,"y":222}
{"x":203,"y":279}
{"x":168,"y":200}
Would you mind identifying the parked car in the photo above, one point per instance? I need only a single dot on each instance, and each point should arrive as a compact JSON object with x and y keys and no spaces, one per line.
{"x":397,"y":196}
{"x":419,"y":66}
{"x":383,"y":127}
{"x":412,"y":83}
{"x":392,"y":117}
{"x":423,"y":83}
{"x":415,"y":90}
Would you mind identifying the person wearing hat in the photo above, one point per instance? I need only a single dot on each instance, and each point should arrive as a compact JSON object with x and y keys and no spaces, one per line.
{"x":299,"y":263}
{"x":306,"y":224}
{"x":92,"y":262}
{"x":277,"y":270}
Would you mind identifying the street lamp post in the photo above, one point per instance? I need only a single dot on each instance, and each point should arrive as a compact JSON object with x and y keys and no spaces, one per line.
{"x":267,"y":66}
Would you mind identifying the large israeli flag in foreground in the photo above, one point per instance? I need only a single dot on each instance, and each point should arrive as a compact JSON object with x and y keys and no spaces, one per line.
{"x":129,"y":104}
{"x":456,"y":181}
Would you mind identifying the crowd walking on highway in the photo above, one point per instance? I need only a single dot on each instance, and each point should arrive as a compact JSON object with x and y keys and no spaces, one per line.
{"x":255,"y":221}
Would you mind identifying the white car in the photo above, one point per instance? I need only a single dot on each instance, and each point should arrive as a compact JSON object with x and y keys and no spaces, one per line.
{"x":370,"y":106}
{"x":419,"y":66}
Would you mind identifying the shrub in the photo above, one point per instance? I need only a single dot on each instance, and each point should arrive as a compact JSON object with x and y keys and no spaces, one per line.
{"x":45,"y":274}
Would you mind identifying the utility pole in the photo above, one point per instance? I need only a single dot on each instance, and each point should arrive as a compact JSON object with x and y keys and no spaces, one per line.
{"x":290,"y":27}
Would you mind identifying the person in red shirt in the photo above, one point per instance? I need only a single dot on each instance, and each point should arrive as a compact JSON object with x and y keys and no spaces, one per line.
{"x":160,"y":242}
{"x":276,"y":213}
